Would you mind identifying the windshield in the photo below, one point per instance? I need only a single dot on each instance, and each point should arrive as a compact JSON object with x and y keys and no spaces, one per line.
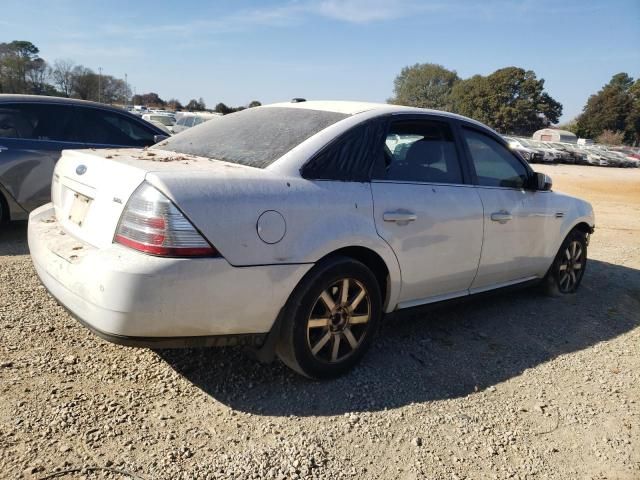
{"x":255,"y":137}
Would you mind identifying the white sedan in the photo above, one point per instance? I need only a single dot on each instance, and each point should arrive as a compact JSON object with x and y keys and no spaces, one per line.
{"x":294,"y":227}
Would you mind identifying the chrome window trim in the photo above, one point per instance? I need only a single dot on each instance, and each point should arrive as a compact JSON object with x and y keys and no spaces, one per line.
{"x":409,"y":182}
{"x":40,"y":140}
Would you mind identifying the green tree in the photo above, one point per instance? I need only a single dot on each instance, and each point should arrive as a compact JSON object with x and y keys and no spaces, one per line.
{"x":196,"y":105}
{"x":17,"y":61}
{"x":62,"y":75}
{"x":511,"y":100}
{"x":632,"y":128}
{"x":174,"y":104}
{"x":611,"y":108}
{"x":37,"y":77}
{"x":254,"y":103}
{"x":85,"y":83}
{"x":424,"y":85}
{"x":149,"y":100}
{"x":223,"y":109}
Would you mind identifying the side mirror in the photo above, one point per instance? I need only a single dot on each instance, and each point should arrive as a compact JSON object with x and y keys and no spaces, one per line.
{"x":542,"y":182}
{"x":159,"y":138}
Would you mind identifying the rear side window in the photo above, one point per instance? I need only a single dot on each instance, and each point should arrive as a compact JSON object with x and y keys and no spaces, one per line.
{"x":351,"y":157}
{"x":256,"y":136}
{"x":494,"y":164}
{"x":421,"y":151}
{"x":36,"y":121}
{"x":102,"y":127}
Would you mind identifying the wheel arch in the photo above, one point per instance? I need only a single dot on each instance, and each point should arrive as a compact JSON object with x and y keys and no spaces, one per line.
{"x":12,"y":210}
{"x":371,"y":260}
{"x":583,"y":227}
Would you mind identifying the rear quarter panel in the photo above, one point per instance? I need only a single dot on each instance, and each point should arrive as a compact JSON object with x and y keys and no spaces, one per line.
{"x":321,"y":216}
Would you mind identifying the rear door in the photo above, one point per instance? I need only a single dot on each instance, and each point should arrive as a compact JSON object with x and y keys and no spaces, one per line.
{"x":426,"y":210}
{"x":517,"y":220}
{"x":32,"y":135}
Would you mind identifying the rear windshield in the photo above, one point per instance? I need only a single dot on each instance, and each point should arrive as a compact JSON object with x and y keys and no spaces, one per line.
{"x":255,"y":137}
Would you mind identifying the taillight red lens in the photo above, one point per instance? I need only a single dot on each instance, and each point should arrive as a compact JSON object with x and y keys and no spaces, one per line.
{"x":152,"y":224}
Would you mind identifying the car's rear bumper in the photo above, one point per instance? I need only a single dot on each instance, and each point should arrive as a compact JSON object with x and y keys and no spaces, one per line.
{"x":135,"y":299}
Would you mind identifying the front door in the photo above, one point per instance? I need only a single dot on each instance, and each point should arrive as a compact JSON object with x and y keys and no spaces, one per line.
{"x":516,"y":220}
{"x":426,"y":212}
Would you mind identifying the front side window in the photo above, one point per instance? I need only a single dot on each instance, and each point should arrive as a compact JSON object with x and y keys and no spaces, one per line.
{"x":420,"y":151}
{"x":109,"y":128}
{"x":38,"y":121}
{"x":495,"y":165}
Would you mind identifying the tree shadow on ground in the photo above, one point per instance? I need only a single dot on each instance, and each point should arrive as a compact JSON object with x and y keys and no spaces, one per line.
{"x":13,"y":239}
{"x":418,"y":357}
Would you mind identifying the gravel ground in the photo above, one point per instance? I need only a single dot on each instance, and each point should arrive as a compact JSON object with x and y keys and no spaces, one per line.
{"x":517,"y":385}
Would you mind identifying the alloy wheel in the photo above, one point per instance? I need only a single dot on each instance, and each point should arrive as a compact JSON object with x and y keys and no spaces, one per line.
{"x":339,"y":320}
{"x":571,"y":267}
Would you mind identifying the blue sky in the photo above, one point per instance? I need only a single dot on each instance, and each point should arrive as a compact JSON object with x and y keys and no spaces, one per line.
{"x":243,"y":50}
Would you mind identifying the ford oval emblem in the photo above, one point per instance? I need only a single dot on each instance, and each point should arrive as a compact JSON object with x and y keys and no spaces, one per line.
{"x":81,"y":169}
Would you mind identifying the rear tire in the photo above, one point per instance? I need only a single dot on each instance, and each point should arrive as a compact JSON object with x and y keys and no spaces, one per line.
{"x":566,"y":272}
{"x":331,"y":319}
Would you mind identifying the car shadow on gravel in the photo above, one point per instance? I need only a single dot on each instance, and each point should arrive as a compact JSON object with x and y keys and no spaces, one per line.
{"x":449,"y":352}
{"x":13,"y":239}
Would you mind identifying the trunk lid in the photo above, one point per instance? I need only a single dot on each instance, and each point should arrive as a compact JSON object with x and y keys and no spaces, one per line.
{"x":90,"y":188}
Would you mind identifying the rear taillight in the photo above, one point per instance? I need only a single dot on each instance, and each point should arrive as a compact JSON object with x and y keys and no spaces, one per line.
{"x":152,"y":224}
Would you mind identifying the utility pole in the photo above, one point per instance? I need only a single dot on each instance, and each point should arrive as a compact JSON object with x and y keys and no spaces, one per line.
{"x":99,"y":84}
{"x":126,"y":89}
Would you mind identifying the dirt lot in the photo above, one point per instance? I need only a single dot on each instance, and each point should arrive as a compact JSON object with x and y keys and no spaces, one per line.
{"x":517,"y":386}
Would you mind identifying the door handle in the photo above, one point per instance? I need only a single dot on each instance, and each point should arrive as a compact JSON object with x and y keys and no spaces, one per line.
{"x":3,"y":148}
{"x":501,"y":217}
{"x":399,"y":217}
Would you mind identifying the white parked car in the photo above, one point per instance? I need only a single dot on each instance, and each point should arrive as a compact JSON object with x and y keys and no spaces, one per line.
{"x":295,"y":227}
{"x":188,"y":120}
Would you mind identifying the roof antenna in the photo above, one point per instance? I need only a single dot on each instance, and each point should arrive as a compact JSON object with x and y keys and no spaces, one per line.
{"x":298,"y":100}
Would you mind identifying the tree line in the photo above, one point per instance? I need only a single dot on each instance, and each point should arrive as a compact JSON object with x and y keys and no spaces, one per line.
{"x":23,"y":71}
{"x":612,"y":115}
{"x":513,"y":101}
{"x":153,"y":100}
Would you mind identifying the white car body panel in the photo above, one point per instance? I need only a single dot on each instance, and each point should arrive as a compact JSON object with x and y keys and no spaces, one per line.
{"x":452,"y":249}
{"x":512,"y":250}
{"x":128,"y":294}
{"x":448,"y":221}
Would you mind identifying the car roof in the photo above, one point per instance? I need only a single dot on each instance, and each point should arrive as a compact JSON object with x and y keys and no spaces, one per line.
{"x":13,"y":98}
{"x":353,"y":108}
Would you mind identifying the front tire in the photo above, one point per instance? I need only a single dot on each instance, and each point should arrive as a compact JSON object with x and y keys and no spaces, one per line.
{"x":330,"y":319}
{"x":568,"y":268}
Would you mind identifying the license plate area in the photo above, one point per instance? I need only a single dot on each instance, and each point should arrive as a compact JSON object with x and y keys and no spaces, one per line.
{"x":79,"y":208}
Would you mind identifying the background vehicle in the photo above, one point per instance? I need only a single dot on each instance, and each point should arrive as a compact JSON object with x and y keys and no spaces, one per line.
{"x":337,"y":212}
{"x":163,"y":121}
{"x":35,"y":129}
{"x":188,"y":120}
{"x":531,"y":155}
